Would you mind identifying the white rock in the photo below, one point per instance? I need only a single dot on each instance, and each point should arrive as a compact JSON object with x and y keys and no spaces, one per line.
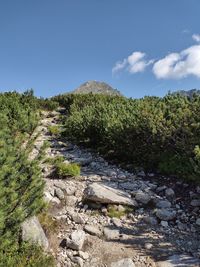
{"x":148,"y":245}
{"x":83,"y":255}
{"x":111,"y":233}
{"x":127,"y":262}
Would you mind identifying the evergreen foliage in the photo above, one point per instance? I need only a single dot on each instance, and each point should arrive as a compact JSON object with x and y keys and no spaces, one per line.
{"x":157,"y":134}
{"x":21,"y":186}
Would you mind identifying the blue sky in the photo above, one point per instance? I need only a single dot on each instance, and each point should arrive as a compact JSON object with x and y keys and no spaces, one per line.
{"x":54,"y":46}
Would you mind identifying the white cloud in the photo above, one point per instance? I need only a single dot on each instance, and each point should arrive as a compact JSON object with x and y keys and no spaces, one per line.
{"x":179,"y":65}
{"x":119,"y":66}
{"x":134,"y":63}
{"x":196,"y":37}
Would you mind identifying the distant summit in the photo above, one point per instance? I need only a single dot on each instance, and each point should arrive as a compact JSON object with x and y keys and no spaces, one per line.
{"x":189,"y":93}
{"x":96,"y":88}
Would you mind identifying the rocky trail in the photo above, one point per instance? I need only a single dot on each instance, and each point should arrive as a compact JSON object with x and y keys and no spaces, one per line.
{"x":109,"y":217}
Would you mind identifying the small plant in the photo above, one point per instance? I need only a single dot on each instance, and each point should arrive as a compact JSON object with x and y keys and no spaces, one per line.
{"x":54,"y":130}
{"x":115,"y":212}
{"x":54,"y":160}
{"x":49,"y":225}
{"x":67,"y":169}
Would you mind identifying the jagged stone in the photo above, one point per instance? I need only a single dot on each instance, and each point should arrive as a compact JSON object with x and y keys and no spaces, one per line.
{"x":76,"y":240}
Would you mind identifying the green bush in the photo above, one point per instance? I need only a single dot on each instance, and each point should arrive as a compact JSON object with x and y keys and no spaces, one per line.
{"x":156,"y":134}
{"x":67,"y":169}
{"x":26,"y":255}
{"x":54,"y":130}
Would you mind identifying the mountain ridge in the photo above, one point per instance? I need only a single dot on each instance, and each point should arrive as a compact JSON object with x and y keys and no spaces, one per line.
{"x":96,"y":87}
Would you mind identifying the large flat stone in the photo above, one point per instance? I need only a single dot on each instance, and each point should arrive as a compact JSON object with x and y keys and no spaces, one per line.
{"x":107,"y":195}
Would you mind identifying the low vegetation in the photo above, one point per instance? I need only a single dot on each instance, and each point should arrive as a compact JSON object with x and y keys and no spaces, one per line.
{"x":67,"y":170}
{"x":152,"y":133}
{"x":54,"y":130}
{"x":25,"y":255}
{"x":116,"y":212}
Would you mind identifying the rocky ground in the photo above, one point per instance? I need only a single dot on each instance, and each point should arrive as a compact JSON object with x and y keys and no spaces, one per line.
{"x":157,"y":220}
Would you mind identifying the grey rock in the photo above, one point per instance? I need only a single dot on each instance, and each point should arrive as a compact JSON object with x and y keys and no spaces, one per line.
{"x":60,"y":184}
{"x":169,"y":193}
{"x":195,"y":203}
{"x":92,"y":230}
{"x":198,"y":222}
{"x":117,"y":222}
{"x":179,"y":261}
{"x":78,"y":260}
{"x":128,"y":186}
{"x":104,"y":194}
{"x":71,"y":201}
{"x":161,"y":188}
{"x":111,"y":233}
{"x":77,"y":240}
{"x":59,"y":193}
{"x":164,"y":223}
{"x":77,"y":218}
{"x":32,"y":231}
{"x":142,"y":197}
{"x":150,"y":220}
{"x":166,"y":214}
{"x":163,"y":204}
{"x":127,"y":262}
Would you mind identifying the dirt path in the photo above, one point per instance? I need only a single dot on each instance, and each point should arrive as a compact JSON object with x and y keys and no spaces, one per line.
{"x":160,"y":230}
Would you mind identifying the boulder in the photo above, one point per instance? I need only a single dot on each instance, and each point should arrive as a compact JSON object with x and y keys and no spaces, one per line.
{"x":32,"y":231}
{"x":127,"y":262}
{"x":104,"y":194}
{"x":142,"y":197}
{"x":166,"y":214}
{"x":76,"y":240}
